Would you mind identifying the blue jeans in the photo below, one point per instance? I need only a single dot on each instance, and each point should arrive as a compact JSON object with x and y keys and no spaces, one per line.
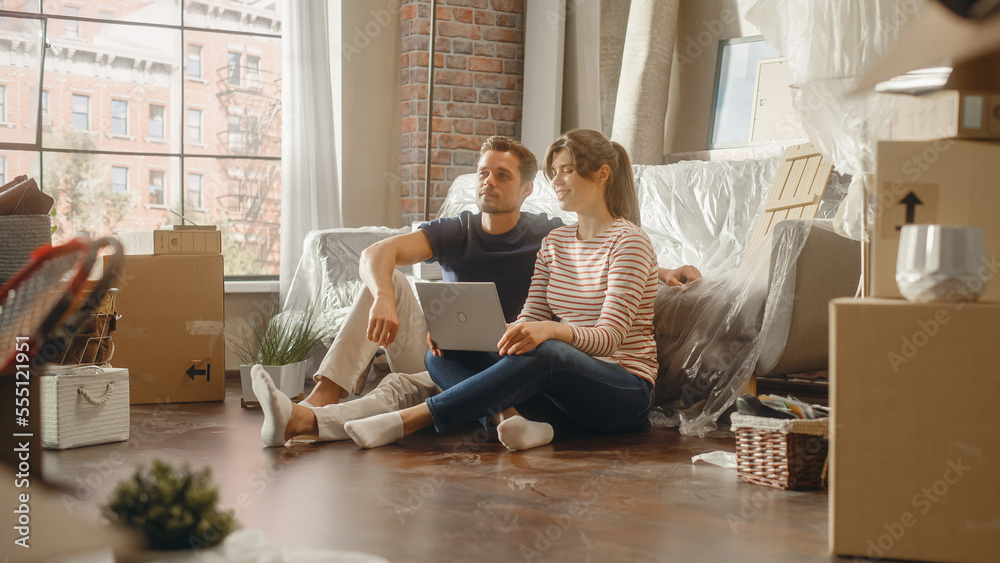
{"x":595,"y":394}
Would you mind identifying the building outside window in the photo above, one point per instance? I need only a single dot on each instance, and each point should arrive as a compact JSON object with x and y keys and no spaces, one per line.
{"x":71,"y":27}
{"x":233,"y":69}
{"x":235,"y":133}
{"x":81,"y":112}
{"x":156,"y":118}
{"x":194,"y":61}
{"x":194,"y":194}
{"x":253,"y":72}
{"x":119,"y":179}
{"x":156,"y":187}
{"x":194,"y":125}
{"x":3,"y":170}
{"x":119,"y":117}
{"x":101,"y":55}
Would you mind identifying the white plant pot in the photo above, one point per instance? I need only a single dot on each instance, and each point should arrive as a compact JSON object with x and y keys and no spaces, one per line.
{"x":290,"y":379}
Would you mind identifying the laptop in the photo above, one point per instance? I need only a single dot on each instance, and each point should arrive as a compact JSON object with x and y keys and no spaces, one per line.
{"x":462,"y":315}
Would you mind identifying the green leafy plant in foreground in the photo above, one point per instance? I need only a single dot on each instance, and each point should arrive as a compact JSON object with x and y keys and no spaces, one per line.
{"x":171,"y":508}
{"x":285,"y":338}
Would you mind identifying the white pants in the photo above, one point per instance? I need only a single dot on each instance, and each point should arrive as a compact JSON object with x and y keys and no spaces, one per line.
{"x":350,"y":356}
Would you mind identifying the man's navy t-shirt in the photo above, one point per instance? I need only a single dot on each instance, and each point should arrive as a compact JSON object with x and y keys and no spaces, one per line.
{"x":467,"y":253}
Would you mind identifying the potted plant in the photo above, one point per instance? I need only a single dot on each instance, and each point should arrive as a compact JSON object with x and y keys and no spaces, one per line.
{"x":173,"y":510}
{"x":282,"y":343}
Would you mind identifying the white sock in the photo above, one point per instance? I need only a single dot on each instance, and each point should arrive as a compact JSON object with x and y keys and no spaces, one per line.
{"x":276,"y":405}
{"x":519,"y":433}
{"x":377,"y":430}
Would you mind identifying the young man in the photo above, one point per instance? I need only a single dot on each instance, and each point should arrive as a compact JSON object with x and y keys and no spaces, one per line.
{"x":499,"y":244}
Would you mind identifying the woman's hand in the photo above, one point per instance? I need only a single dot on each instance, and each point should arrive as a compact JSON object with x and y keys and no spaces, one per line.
{"x":433,"y":347}
{"x":525,"y":337}
{"x":679,"y":277}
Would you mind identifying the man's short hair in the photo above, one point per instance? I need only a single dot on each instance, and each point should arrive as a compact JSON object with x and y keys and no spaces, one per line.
{"x":527,"y":163}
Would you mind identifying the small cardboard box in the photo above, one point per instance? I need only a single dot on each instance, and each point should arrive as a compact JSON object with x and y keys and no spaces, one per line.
{"x":965,"y":114}
{"x":83,"y":406}
{"x":206,"y":240}
{"x":915,"y":445}
{"x":935,"y":182}
{"x":171,"y":332}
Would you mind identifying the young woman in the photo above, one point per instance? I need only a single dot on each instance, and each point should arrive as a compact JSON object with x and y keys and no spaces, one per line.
{"x":597,"y":362}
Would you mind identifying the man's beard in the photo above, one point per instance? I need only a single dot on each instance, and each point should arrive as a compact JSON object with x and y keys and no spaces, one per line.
{"x":494,"y":206}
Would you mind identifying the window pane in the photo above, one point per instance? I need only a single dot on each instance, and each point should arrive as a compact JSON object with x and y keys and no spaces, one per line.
{"x":194,"y":61}
{"x":243,"y":197}
{"x":119,"y":179}
{"x":119,"y":117}
{"x":148,"y":11}
{"x":17,"y":163}
{"x":156,"y":121}
{"x":81,"y":112}
{"x":193,"y":198}
{"x":3,"y":170}
{"x":256,"y":17}
{"x":156,"y":187}
{"x":234,"y":67}
{"x":71,"y":28}
{"x":85,"y":188}
{"x":109,"y":61}
{"x":257,"y":101}
{"x":3,"y":103}
{"x":194,"y":126}
{"x":20,"y":61}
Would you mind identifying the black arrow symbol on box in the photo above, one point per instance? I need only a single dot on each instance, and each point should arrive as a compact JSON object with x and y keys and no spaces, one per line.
{"x":911,"y":201}
{"x":207,"y":372}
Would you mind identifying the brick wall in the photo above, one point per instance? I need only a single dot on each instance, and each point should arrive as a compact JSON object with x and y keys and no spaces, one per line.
{"x":479,"y":65}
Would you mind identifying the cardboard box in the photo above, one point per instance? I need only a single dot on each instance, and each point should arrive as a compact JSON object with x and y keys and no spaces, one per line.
{"x":915,"y":447}
{"x":965,"y":114}
{"x":171,"y":332}
{"x":935,"y":182}
{"x":193,"y":241}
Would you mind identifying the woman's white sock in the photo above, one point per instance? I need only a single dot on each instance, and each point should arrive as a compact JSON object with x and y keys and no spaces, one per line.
{"x":276,"y":405}
{"x":377,"y":430}
{"x":519,"y":433}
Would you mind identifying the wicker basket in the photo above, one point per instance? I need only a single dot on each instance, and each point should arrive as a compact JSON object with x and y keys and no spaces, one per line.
{"x":92,"y":345}
{"x":781,"y":453}
{"x":19,"y":236}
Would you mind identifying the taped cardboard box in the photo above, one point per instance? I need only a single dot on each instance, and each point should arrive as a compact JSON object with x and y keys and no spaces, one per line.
{"x":966,"y":114}
{"x":171,"y":331}
{"x":915,"y":447}
{"x":935,"y":182}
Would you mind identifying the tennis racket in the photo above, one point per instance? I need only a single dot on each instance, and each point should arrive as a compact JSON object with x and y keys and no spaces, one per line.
{"x":43,"y":305}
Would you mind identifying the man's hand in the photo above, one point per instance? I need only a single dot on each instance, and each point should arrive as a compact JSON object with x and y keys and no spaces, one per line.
{"x":383,"y":323}
{"x":433,"y":347}
{"x":525,"y":337}
{"x":678,"y":277}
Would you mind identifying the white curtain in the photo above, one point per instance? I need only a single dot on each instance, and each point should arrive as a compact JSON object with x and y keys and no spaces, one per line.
{"x":310,"y":196}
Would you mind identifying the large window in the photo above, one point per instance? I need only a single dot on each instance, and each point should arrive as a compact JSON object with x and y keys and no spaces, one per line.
{"x":111,"y":126}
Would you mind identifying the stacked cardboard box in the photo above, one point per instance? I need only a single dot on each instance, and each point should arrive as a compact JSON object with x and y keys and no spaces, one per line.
{"x":915,"y":449}
{"x":171,"y":332}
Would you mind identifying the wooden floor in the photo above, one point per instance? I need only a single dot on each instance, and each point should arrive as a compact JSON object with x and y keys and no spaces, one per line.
{"x":461,"y":496}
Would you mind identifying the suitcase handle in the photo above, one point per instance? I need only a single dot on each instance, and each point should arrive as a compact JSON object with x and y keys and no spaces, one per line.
{"x":97,"y":402}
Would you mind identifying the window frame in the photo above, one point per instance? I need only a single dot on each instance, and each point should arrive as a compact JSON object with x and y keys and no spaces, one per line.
{"x":188,"y":59}
{"x":120,"y":119}
{"x":162,"y":121}
{"x":113,"y":184}
{"x":86,"y":115}
{"x":162,"y":175}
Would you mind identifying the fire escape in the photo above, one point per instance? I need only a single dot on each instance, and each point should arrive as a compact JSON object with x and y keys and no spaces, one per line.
{"x":251,"y":99}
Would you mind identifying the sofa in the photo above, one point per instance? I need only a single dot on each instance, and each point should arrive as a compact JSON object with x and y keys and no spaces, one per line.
{"x":762,"y":311}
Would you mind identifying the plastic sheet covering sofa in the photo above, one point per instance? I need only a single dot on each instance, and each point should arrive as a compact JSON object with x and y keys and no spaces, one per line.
{"x":751,"y":312}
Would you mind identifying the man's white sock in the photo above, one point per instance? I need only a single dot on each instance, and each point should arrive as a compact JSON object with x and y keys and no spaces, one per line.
{"x":377,"y":430}
{"x":519,"y":433}
{"x":276,"y":405}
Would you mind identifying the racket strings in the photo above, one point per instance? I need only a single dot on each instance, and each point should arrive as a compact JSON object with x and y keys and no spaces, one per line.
{"x":25,"y":307}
